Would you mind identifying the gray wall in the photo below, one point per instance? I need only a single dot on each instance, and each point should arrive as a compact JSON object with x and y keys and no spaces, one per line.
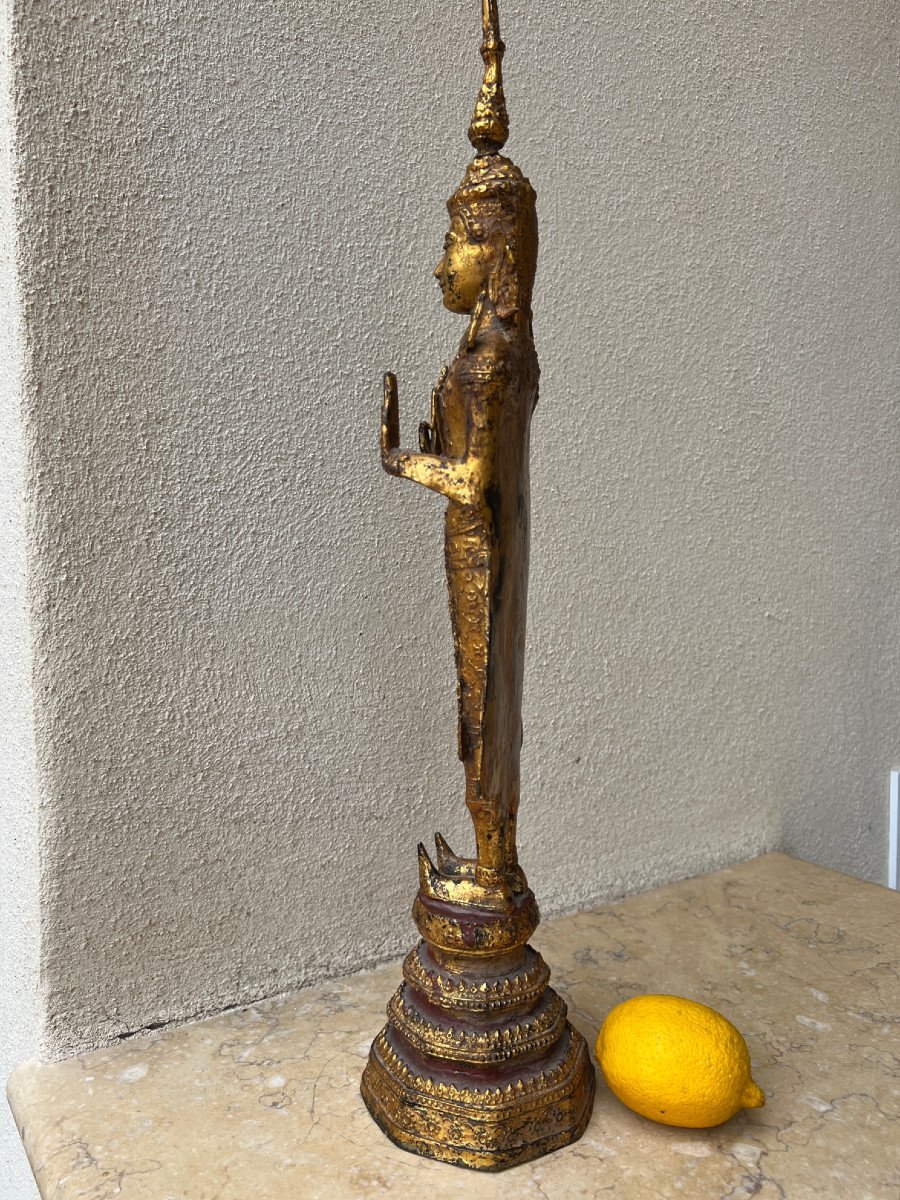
{"x":20,"y":1007}
{"x":228,"y":217}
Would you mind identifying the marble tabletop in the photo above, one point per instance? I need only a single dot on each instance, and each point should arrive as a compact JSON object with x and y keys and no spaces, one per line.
{"x":263,"y":1103}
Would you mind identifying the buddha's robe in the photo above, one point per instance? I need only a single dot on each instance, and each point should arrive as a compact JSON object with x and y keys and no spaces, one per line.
{"x":482,"y":413}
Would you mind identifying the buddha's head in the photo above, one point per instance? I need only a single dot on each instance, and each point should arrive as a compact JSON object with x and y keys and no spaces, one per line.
{"x":491,"y":246}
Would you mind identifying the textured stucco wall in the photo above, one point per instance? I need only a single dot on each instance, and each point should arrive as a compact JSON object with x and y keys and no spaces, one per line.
{"x":244,"y":678}
{"x":20,"y":1008}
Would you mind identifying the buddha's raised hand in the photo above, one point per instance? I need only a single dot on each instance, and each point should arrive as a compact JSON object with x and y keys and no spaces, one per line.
{"x":456,"y":478}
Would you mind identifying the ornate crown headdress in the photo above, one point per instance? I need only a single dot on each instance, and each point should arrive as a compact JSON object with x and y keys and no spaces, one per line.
{"x":489,"y":127}
{"x":490,"y":174}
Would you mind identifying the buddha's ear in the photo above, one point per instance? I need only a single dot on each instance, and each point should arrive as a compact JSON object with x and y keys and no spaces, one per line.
{"x":503,"y":285}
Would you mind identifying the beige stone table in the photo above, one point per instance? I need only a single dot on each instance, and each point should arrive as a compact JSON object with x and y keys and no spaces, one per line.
{"x":262,"y":1103}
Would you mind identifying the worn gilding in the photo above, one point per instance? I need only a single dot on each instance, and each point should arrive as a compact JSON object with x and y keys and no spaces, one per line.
{"x":477,"y":1064}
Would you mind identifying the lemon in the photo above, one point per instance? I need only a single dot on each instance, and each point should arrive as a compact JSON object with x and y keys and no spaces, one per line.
{"x":676,"y":1061}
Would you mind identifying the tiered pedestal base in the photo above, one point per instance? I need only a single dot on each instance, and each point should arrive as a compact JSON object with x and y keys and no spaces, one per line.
{"x":477,"y":1065}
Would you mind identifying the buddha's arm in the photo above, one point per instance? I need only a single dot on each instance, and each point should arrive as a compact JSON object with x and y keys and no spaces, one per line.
{"x":460,"y":479}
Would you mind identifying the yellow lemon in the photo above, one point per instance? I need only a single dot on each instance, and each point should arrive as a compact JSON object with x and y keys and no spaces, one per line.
{"x":676,"y":1061}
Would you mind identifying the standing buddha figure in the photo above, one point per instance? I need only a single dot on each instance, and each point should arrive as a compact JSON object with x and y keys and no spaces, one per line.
{"x":477,"y":1064}
{"x":475,"y":451}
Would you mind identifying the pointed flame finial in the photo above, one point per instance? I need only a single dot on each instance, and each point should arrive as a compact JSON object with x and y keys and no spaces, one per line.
{"x":489,"y":127}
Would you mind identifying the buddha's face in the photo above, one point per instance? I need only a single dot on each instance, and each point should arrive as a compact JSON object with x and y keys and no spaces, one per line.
{"x":463,"y":271}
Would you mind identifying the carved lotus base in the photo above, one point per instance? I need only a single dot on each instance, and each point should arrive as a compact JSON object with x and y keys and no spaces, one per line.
{"x":477,"y":1064}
